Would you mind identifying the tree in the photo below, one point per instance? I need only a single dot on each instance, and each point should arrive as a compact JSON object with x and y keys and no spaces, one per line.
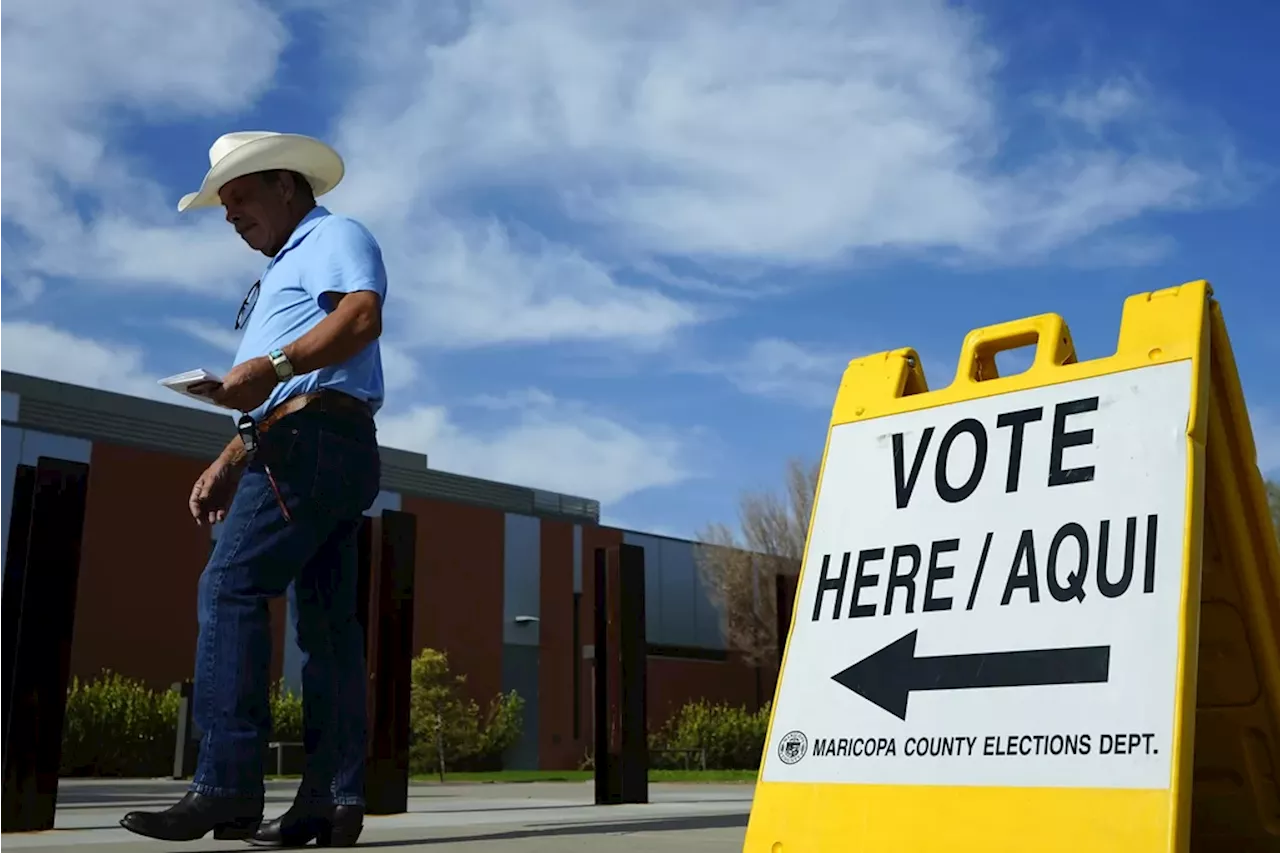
{"x":738,"y":567}
{"x":448,"y":731}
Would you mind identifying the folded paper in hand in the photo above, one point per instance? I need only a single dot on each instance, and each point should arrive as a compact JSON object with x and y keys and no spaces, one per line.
{"x":183,"y":383}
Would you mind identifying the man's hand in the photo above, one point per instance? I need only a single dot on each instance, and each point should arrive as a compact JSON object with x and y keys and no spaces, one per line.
{"x":245,"y":388}
{"x":212,"y":492}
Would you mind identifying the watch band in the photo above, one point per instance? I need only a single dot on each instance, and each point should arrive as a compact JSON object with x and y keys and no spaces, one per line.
{"x":281,"y":363}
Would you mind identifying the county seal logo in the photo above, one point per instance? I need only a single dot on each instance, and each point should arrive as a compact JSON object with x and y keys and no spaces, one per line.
{"x":793,"y":747}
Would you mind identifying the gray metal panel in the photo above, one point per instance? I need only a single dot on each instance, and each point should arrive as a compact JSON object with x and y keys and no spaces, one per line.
{"x":291,"y":666}
{"x":384,"y":500}
{"x":678,"y":608}
{"x":200,"y":438}
{"x":655,"y":619}
{"x":105,"y":416}
{"x":708,"y":631}
{"x":520,"y":673}
{"x":25,"y":447}
{"x":396,"y":458}
{"x":679,"y":593}
{"x":521,"y":579}
{"x":36,"y":444}
{"x":11,"y":450}
{"x":10,"y":407}
{"x":577,"y":558}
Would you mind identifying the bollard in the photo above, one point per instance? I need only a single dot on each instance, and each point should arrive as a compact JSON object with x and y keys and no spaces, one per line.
{"x":43,"y":594}
{"x":24,"y":485}
{"x":607,"y":792}
{"x":633,"y":660}
{"x":388,"y":575}
{"x":621,"y":730}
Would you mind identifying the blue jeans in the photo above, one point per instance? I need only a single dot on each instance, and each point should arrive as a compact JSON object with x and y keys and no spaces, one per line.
{"x":327,"y":470}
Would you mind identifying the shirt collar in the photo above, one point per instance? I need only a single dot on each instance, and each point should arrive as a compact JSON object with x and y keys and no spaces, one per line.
{"x":305,"y":227}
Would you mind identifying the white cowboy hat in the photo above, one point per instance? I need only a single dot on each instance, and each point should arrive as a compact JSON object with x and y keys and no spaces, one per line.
{"x":245,"y":152}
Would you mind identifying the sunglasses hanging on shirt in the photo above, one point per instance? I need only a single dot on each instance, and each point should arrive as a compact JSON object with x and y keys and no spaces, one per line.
{"x":246,"y":307}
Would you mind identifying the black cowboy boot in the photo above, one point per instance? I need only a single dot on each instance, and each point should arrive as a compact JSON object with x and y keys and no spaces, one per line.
{"x":329,"y":825}
{"x":195,"y":816}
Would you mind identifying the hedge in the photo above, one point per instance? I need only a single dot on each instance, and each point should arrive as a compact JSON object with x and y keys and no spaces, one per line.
{"x":730,"y":737}
{"x":118,"y":726}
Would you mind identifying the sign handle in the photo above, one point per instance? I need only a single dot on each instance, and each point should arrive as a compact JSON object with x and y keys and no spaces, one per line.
{"x":1047,"y":332}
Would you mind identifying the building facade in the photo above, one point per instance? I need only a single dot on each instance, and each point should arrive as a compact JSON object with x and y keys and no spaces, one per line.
{"x":499,"y":575}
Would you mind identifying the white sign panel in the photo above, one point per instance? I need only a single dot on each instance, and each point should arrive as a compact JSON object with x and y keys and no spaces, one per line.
{"x":991,"y":593}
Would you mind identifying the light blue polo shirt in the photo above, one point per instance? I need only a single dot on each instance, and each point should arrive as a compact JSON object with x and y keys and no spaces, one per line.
{"x":325,"y":254}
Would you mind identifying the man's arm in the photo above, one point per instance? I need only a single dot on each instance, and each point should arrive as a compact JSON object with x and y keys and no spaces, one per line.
{"x":351,"y":292}
{"x":350,"y":287}
{"x":233,"y":455}
{"x":353,"y":324}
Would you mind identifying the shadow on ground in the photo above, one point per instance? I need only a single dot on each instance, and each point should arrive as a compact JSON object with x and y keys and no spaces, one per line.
{"x":671,"y":824}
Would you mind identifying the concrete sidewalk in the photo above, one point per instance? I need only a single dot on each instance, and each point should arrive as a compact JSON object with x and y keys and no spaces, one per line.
{"x":495,"y":818}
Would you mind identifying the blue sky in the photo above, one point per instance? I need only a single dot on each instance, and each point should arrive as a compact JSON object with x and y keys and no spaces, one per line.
{"x":630,"y":246}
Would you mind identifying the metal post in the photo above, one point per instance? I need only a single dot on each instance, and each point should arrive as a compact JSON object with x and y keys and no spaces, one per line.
{"x":606,"y":791}
{"x":390,"y":643}
{"x":42,"y":658}
{"x":633,"y":658}
{"x":15,"y":569}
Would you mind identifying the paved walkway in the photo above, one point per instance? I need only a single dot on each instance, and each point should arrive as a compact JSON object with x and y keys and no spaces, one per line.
{"x":496,"y":818}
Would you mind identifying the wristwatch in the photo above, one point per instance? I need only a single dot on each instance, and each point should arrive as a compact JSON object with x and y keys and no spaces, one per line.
{"x":280,"y":361}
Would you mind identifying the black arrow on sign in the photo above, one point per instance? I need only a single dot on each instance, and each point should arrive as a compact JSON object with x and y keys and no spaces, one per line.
{"x":889,"y":676}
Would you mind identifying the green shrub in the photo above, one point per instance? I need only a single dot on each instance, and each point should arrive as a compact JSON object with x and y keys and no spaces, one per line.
{"x":732,"y":737}
{"x":117,"y":726}
{"x":444,"y":723}
{"x":286,"y":714}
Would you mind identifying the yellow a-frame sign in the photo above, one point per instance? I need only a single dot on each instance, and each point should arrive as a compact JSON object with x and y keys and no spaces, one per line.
{"x":1037,"y":612}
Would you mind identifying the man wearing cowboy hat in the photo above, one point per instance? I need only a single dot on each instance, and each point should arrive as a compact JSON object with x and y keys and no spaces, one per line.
{"x":289,"y":491}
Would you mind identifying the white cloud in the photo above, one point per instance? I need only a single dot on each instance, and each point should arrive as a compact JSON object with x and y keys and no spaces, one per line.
{"x":43,"y":350}
{"x":39,"y":349}
{"x":399,"y":370}
{"x":468,"y":284}
{"x":790,"y":134}
{"x":1113,"y":101}
{"x":88,"y":205}
{"x":784,"y":370}
{"x":223,"y":338}
{"x":736,"y":134}
{"x":543,"y":443}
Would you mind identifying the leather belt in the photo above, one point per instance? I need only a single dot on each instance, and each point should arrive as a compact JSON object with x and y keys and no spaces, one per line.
{"x":325,"y":400}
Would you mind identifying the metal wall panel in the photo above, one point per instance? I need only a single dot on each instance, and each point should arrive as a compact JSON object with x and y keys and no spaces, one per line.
{"x":25,"y":447}
{"x":655,"y":615}
{"x":577,"y":558}
{"x":521,"y":580}
{"x":679,"y":593}
{"x":520,"y":673}
{"x":12,"y":450}
{"x":678,"y":608}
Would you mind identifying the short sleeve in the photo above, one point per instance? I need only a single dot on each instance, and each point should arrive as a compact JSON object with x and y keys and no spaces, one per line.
{"x":350,"y":261}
